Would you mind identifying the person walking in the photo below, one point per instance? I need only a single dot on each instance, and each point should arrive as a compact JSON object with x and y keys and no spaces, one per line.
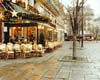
{"x":42,"y":39}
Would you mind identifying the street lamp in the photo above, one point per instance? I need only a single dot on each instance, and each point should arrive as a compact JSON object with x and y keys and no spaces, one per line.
{"x":82,"y":23}
{"x":96,"y":33}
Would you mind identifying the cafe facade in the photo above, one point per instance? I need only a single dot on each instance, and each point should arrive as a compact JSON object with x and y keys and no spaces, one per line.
{"x":22,"y":23}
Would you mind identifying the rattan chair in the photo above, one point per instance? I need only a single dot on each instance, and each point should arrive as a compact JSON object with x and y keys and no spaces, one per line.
{"x":9,"y":51}
{"x":17,"y":50}
{"x":25,"y":51}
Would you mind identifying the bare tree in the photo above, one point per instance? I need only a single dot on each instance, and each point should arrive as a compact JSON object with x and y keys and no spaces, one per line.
{"x":75,"y":19}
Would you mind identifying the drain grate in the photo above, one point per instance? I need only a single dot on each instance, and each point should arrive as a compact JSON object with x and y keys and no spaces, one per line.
{"x":78,"y":59}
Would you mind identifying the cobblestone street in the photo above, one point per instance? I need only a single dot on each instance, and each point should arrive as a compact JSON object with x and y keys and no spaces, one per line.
{"x":52,"y":67}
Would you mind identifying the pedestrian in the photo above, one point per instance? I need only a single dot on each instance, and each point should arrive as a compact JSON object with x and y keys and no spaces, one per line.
{"x":16,"y":38}
{"x":12,"y":39}
{"x":31,"y":37}
{"x":42,"y":39}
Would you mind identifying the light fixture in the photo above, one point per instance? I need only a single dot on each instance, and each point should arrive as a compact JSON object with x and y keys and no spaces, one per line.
{"x":55,"y":31}
{"x":40,"y":27}
{"x":1,"y":16}
{"x":14,"y":14}
{"x":50,"y":29}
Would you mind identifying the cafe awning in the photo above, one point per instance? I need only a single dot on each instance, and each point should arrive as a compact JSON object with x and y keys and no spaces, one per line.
{"x":10,"y":6}
{"x":25,"y":15}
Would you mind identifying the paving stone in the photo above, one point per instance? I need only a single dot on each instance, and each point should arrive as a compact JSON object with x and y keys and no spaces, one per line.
{"x":46,"y":78}
{"x":65,"y":71}
{"x":76,"y":79}
{"x":99,"y":76}
{"x":50,"y":75}
{"x":91,"y":79}
{"x":91,"y":76}
{"x":95,"y":73}
{"x":60,"y":79}
{"x":79,"y":59}
{"x":79,"y":76}
{"x":62,"y":75}
{"x":82,"y":72}
{"x":66,"y":67}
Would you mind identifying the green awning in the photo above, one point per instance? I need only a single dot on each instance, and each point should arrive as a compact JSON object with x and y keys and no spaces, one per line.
{"x":10,"y":6}
{"x":25,"y":15}
{"x":19,"y":9}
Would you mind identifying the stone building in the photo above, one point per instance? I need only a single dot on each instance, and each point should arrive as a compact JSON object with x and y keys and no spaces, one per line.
{"x":26,"y":17}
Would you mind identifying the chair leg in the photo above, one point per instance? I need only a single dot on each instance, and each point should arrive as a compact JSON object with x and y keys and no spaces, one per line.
{"x":10,"y":56}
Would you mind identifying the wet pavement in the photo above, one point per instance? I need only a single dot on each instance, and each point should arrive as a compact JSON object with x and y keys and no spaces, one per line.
{"x":55,"y":65}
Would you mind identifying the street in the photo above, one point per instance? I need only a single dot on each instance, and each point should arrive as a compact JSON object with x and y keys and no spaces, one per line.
{"x":53,"y":66}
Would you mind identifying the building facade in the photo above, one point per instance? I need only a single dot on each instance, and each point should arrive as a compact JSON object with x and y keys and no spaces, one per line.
{"x":23,"y":18}
{"x":88,"y":20}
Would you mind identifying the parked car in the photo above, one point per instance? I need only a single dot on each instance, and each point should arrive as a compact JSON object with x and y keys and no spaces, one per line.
{"x":70,"y":38}
{"x":88,"y":37}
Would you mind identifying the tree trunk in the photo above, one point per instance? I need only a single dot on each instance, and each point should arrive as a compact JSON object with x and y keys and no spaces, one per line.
{"x":74,"y":47}
{"x":82,"y":24}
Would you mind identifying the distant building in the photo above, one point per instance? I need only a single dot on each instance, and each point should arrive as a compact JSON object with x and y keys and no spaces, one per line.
{"x":88,"y":20}
{"x":88,"y":15}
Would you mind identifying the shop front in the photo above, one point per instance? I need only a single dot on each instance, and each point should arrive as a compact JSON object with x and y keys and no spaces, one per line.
{"x":20,"y":31}
{"x":21,"y":24}
{"x":48,"y":31}
{"x":29,"y":31}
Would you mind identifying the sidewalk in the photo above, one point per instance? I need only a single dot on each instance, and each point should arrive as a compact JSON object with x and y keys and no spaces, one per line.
{"x":78,"y":70}
{"x":53,"y":66}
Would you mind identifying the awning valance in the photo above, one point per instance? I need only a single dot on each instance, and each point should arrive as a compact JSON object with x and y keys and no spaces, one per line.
{"x":20,"y":24}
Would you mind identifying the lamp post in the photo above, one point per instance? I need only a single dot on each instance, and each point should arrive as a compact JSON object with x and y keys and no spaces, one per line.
{"x":96,"y":34}
{"x":65,"y":29}
{"x":82,"y":24}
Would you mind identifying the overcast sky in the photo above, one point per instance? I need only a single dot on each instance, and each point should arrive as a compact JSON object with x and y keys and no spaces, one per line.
{"x":94,"y":4}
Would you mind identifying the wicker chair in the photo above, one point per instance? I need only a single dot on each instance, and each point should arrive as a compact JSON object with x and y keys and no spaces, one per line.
{"x":9,"y":51}
{"x":17,"y":50}
{"x":34,"y":49}
{"x":25,"y":50}
{"x":2,"y":50}
{"x":40,"y":50}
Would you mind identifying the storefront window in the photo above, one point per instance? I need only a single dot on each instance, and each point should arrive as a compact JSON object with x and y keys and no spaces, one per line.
{"x":15,"y":31}
{"x":49,"y":34}
{"x":29,"y":33}
{"x":55,"y":35}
